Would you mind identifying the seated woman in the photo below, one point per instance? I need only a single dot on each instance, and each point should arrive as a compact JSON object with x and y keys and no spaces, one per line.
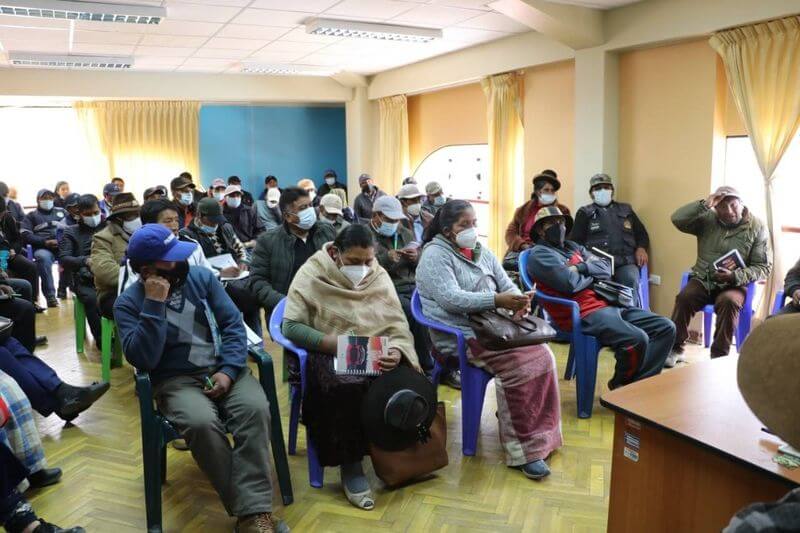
{"x":452,"y":284}
{"x":343,"y":290}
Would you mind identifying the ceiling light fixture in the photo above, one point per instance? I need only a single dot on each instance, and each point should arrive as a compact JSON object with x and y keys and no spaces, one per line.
{"x":33,"y":60}
{"x":369,"y":30}
{"x":286,"y":70}
{"x":88,"y":11}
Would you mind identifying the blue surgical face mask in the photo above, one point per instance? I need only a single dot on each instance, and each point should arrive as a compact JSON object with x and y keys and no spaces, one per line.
{"x":186,"y":198}
{"x":45,"y":205}
{"x":387,"y":229}
{"x":218,"y":196}
{"x":307,"y":218}
{"x":207,"y":229}
{"x":92,"y":221}
{"x":602,"y":197}
{"x":439,"y":201}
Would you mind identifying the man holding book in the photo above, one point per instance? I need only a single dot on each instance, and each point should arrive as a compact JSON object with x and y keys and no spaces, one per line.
{"x":732,"y":251}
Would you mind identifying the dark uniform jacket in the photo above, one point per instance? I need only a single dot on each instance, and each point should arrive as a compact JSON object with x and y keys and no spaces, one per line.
{"x":362,"y":206}
{"x":615,"y":229}
{"x":74,"y":248}
{"x":245,"y":221}
{"x":39,"y":226}
{"x":792,"y":282}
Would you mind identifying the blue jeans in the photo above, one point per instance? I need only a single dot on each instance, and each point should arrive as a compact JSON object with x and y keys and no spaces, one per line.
{"x":44,"y":262}
{"x":628,"y":275}
{"x":36,"y":379}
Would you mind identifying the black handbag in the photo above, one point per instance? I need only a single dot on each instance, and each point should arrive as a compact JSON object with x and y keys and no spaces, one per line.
{"x":616,"y":294}
{"x":496,"y":330}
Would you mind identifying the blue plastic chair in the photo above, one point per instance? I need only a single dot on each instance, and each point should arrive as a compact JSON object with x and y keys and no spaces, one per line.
{"x":745,"y":316}
{"x":780,"y":301}
{"x":473,"y":380}
{"x":316,"y":473}
{"x":583,"y":351}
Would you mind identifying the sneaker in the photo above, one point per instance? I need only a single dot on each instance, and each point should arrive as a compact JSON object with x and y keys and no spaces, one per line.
{"x":452,"y":379}
{"x":536,"y":470}
{"x":47,"y":527}
{"x":261,"y":523}
{"x":671,"y":360}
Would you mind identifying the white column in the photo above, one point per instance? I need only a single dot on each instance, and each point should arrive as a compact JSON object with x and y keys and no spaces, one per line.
{"x":596,"y":118}
{"x":359,"y":122}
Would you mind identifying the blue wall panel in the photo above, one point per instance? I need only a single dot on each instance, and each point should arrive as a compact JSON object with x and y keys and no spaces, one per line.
{"x":289,"y":142}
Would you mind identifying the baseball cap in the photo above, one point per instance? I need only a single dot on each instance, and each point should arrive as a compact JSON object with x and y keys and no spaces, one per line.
{"x":273,"y":196}
{"x":332,"y":204}
{"x":180,"y":182}
{"x":363,"y":178}
{"x":219,"y":182}
{"x":230,"y":189}
{"x":110,"y":188}
{"x":330,"y":173}
{"x":210,"y":208}
{"x":390,"y":207}
{"x":306,"y":184}
{"x":600,"y":179}
{"x":154,"y":242}
{"x":409,"y":191}
{"x":72,"y":199}
{"x":433,"y":187}
{"x":152,"y":190}
{"x":727,"y":191}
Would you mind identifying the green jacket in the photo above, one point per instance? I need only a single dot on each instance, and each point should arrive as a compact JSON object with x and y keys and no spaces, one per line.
{"x":273,"y":257}
{"x":715,"y":240}
{"x":108,"y":248}
{"x":403,"y":272}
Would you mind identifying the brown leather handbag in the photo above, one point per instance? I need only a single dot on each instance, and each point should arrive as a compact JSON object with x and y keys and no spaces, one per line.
{"x":496,"y":329}
{"x":418,"y":460}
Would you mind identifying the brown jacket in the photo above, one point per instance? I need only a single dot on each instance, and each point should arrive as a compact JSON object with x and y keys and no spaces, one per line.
{"x":515,"y":238}
{"x":108,"y":249}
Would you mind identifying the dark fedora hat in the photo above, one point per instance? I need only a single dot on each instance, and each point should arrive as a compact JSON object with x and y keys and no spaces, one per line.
{"x":398,"y":409}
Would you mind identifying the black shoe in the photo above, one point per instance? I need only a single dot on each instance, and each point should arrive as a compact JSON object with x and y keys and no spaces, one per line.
{"x":75,"y":400}
{"x":47,"y":527}
{"x":38,"y":308}
{"x":62,"y":294}
{"x":452,"y":379}
{"x":44,"y":477}
{"x":40,"y":340}
{"x":52,"y":302}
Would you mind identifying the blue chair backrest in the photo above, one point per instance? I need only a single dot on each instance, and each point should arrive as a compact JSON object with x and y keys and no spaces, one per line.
{"x":275,"y":321}
{"x":780,"y":300}
{"x":523,"y":269}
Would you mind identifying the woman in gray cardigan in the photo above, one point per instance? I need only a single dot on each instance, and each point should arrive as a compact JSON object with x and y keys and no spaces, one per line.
{"x":454,"y":280}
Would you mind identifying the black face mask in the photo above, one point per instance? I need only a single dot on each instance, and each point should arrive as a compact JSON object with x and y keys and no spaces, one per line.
{"x":556,"y":234}
{"x":366,"y":189}
{"x":176,"y":277}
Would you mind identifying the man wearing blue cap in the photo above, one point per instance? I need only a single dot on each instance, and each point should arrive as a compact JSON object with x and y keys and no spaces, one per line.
{"x":110,"y":190}
{"x":178,"y":323}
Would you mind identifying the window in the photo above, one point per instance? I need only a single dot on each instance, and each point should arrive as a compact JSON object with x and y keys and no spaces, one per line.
{"x":743,"y":173}
{"x":463,"y":172}
{"x":40,"y":146}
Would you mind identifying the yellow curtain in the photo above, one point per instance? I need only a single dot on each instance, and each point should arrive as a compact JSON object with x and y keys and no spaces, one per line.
{"x":506,"y":152}
{"x":393,"y":154}
{"x":762,"y":62}
{"x":145,"y":143}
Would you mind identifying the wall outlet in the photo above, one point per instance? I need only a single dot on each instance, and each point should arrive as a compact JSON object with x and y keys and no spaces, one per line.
{"x":655,"y":279}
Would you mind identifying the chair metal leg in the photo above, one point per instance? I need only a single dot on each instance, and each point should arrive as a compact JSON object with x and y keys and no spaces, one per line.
{"x":79,"y":314}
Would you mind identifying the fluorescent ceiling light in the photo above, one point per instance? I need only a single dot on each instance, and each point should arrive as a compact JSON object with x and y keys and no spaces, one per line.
{"x":90,"y":11}
{"x":286,"y":70}
{"x":369,"y":30}
{"x":33,"y":60}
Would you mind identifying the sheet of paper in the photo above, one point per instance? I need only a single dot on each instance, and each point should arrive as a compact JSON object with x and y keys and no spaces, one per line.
{"x":222,"y":261}
{"x":252,"y":336}
{"x":243,"y":274}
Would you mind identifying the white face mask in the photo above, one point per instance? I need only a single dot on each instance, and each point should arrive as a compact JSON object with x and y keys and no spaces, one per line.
{"x":92,"y":221}
{"x":132,"y":225}
{"x":234,"y":202}
{"x":355,"y":273}
{"x":467,"y":238}
{"x":218,"y":196}
{"x":547,"y":198}
{"x":186,"y":198}
{"x":330,"y":181}
{"x":602,"y":197}
{"x":414,"y":210}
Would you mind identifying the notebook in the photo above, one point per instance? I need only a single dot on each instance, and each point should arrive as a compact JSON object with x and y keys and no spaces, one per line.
{"x":731,"y":261}
{"x":359,"y":356}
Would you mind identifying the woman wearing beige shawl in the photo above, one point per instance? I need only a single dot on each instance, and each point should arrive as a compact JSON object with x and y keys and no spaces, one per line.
{"x":343,"y":290}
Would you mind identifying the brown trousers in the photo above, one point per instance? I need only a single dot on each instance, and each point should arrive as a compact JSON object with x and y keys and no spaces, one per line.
{"x":727,"y":305}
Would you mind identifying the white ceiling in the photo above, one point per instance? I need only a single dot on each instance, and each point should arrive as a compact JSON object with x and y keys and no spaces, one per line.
{"x":214,"y":36}
{"x":597,"y":4}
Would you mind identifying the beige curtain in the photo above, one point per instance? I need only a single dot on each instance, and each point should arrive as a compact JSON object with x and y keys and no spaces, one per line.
{"x":762,"y":63}
{"x":506,"y":153}
{"x":393,"y":154}
{"x":145,"y":143}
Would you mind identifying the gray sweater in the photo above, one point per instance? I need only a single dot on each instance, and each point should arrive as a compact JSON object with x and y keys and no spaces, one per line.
{"x":447,"y":281}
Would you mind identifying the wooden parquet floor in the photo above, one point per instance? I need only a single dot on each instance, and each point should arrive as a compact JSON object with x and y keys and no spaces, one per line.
{"x":102,"y":486}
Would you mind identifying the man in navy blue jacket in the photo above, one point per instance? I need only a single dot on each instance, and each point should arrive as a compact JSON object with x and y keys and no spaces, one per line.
{"x":178,"y":323}
{"x":39,"y":230}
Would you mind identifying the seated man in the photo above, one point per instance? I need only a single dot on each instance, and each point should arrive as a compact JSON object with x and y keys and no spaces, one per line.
{"x":244,"y":219}
{"x":217,"y":190}
{"x":74,"y":254}
{"x":14,"y":208}
{"x":247,"y":198}
{"x":641,"y":340}
{"x":177,"y":323}
{"x":183,"y":190}
{"x":330,"y":212}
{"x":119,"y":182}
{"x":110,"y":190}
{"x":721,"y":224}
{"x":331,"y":182}
{"x":71,"y":207}
{"x":362,"y":205}
{"x":414,"y":219}
{"x":155,"y":193}
{"x":108,"y":249}
{"x":21,"y":274}
{"x":434,"y":198}
{"x":40,"y":383}
{"x":22,"y":437}
{"x":39,"y":230}
{"x":398,"y":253}
{"x":791,"y":290}
{"x":216,"y":237}
{"x":614,"y":228}
{"x":267,"y":208}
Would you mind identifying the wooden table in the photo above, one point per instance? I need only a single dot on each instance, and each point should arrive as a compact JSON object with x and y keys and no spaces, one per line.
{"x":688,"y":452}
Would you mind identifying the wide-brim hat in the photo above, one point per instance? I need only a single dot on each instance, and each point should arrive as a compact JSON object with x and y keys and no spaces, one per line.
{"x":767,"y":375}
{"x":398,"y":408}
{"x":548,"y":178}
{"x":546,"y":212}
{"x":124,"y":202}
